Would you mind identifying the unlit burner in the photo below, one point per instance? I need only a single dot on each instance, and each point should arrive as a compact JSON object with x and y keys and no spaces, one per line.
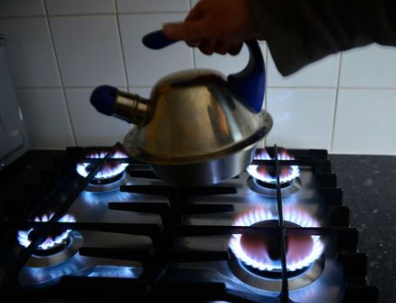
{"x":110,"y":173}
{"x":266,"y":175}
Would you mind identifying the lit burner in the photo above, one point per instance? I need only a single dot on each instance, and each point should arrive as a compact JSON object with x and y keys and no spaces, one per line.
{"x":110,"y":173}
{"x":53,"y":241}
{"x":115,"y":272}
{"x":261,"y":253}
{"x":266,"y":174}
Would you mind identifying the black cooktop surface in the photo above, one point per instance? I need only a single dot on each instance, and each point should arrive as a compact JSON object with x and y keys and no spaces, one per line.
{"x":92,"y":224}
{"x":370,"y":192}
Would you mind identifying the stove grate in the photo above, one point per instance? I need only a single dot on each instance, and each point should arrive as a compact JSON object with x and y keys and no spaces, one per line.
{"x":147,"y":287}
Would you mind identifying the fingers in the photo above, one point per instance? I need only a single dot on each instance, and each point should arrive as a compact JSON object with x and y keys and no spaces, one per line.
{"x":222,"y":47}
{"x":188,"y":30}
{"x":207,"y":46}
{"x":194,"y":43}
{"x":197,"y":12}
{"x":235,"y":49}
{"x":198,"y":33}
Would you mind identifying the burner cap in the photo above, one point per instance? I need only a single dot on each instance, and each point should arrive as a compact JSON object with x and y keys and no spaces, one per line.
{"x":272,"y":280}
{"x":110,"y":173}
{"x":54,"y":244}
{"x":54,"y":241}
{"x":58,"y":255}
{"x":263,"y":252}
{"x":270,"y":190}
{"x":109,"y":180}
{"x":259,"y":256}
{"x":265,"y":175}
{"x":259,"y":247}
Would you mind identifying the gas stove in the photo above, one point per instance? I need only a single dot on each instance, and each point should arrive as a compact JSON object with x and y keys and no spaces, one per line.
{"x":91,"y":224}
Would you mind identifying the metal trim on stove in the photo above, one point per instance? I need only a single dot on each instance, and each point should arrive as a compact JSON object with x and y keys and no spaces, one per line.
{"x":294,"y":186}
{"x":76,"y":242}
{"x":308,"y":276}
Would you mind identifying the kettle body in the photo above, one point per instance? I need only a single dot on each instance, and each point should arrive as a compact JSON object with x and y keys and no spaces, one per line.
{"x":195,"y":129}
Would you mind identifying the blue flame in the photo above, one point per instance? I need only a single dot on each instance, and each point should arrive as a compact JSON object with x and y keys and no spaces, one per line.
{"x":108,"y":171}
{"x":23,"y":235}
{"x":264,"y":176}
{"x":265,"y":263}
{"x":114,"y":272}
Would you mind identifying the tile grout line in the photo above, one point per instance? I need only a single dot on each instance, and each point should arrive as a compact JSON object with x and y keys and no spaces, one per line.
{"x":121,"y":45}
{"x":363,"y":154}
{"x":193,"y":55}
{"x":74,"y":87}
{"x":266,"y":87}
{"x":335,"y":105}
{"x":60,"y":73}
{"x":367,"y":88}
{"x":23,"y":16}
{"x":303,"y":87}
{"x":93,"y":14}
{"x":266,"y":77}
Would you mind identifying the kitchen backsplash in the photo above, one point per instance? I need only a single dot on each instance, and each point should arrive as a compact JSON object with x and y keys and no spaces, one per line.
{"x":60,"y":50}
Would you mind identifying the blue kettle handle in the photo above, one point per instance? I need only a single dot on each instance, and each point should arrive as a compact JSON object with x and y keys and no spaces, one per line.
{"x":248,"y":84}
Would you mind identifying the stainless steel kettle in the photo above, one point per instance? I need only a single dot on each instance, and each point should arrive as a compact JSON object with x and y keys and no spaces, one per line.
{"x":198,"y":128}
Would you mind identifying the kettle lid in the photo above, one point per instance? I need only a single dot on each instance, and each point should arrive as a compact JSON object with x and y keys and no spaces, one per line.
{"x":248,"y":85}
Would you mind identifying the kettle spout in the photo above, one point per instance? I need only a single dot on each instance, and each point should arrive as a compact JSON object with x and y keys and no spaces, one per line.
{"x":110,"y":101}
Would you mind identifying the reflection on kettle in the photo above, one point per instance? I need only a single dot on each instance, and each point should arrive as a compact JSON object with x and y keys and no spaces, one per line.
{"x":198,"y":127}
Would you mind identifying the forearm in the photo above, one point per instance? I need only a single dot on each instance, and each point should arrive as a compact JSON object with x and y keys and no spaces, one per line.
{"x":300,"y":32}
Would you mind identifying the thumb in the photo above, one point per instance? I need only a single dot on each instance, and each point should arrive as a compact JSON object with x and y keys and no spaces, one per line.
{"x":186,"y":31}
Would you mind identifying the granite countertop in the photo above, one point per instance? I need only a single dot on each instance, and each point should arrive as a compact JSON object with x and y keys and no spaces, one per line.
{"x":369,"y":184}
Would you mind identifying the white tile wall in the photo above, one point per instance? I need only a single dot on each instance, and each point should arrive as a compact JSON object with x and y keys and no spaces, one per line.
{"x":303,"y":118}
{"x":12,"y":8}
{"x":373,"y":67}
{"x":194,"y":3}
{"x":80,"y":7}
{"x":139,"y":6}
{"x":323,"y":73}
{"x":46,"y":117}
{"x":144,"y":66}
{"x":143,"y":92}
{"x":30,"y":52}
{"x":226,"y":64}
{"x":92,"y":128}
{"x":89,"y":50}
{"x":365,"y":122}
{"x":64,"y":48}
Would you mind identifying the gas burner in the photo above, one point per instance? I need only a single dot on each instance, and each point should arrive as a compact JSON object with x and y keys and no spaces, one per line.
{"x":115,"y":272}
{"x":57,"y":248}
{"x":53,"y":241}
{"x":257,"y":258}
{"x":270,"y":189}
{"x":110,"y":177}
{"x":263,"y":177}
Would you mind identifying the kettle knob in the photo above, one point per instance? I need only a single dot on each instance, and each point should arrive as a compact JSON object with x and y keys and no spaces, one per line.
{"x":248,"y":85}
{"x":104,"y":99}
{"x":157,"y":40}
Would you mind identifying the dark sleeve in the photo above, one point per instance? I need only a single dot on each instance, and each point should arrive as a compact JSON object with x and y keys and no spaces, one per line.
{"x":299,"y":32}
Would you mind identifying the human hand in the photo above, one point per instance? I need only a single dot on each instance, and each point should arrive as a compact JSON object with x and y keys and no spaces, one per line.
{"x":215,"y":26}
